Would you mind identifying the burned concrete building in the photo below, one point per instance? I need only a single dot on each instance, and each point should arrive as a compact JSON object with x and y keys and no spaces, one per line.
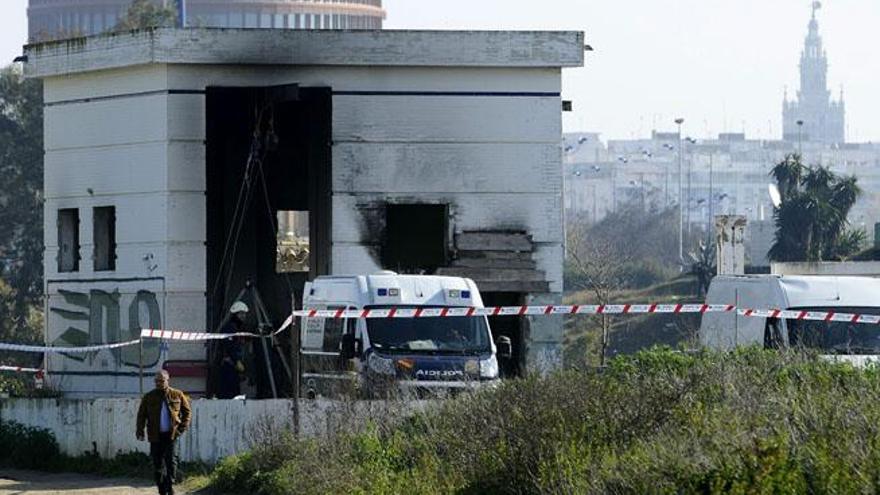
{"x":173,"y":156}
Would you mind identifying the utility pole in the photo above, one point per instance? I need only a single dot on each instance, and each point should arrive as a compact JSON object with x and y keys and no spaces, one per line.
{"x":711,"y":198}
{"x":678,"y":122}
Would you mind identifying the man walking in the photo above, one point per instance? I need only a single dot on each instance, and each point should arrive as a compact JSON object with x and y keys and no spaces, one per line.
{"x":165,"y":413}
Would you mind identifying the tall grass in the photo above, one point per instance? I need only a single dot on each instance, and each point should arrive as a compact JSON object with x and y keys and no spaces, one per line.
{"x":751,"y":421}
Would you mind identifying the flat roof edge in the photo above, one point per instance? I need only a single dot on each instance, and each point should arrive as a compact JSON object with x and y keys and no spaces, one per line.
{"x":221,"y":46}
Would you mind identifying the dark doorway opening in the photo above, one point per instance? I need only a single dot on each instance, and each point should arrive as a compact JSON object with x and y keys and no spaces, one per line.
{"x":512,"y":327}
{"x":268,"y":151}
{"x":416,"y":238}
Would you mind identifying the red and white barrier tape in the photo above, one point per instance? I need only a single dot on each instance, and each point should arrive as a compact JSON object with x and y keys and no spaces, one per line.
{"x":154,"y":333}
{"x":793,"y":314}
{"x":607,"y":309}
{"x":19,"y":369}
{"x":64,"y":350}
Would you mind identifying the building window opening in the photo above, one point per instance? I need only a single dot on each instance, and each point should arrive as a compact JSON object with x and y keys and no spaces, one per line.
{"x":416,"y":238}
{"x":293,"y":242}
{"x":104,"y":222}
{"x":68,"y":240}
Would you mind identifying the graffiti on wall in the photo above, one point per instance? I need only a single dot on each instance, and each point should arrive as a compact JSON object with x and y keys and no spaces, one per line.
{"x":80,"y":318}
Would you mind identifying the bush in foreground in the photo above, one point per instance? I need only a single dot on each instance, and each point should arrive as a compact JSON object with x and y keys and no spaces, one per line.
{"x":751,"y":421}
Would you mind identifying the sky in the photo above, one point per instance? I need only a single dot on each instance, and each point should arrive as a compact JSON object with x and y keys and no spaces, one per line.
{"x":722,"y":65}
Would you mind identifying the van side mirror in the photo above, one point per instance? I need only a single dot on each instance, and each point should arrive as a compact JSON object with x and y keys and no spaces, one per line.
{"x":349,"y":346}
{"x":505,"y":347}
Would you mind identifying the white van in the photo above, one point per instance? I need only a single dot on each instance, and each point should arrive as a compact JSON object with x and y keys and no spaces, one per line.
{"x":806,"y":293}
{"x":421,"y":354}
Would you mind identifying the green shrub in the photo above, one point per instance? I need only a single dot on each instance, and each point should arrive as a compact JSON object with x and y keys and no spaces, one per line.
{"x":27,"y":447}
{"x":662,"y":421}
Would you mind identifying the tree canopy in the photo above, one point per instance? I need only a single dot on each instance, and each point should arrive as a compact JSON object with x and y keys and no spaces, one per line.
{"x":21,"y":199}
{"x":145,"y":14}
{"x":811,"y":221}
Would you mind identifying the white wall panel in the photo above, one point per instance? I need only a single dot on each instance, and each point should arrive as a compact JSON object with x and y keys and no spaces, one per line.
{"x":548,"y":258}
{"x":138,"y":79}
{"x":136,"y":119}
{"x":186,"y":117}
{"x":113,"y":170}
{"x":432,"y":119}
{"x":437,"y":168}
{"x":186,"y":166}
{"x":353,"y":259}
{"x":186,"y":269}
{"x":186,"y":217}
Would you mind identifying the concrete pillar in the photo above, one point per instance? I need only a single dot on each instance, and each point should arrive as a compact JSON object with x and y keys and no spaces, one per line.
{"x":730,"y":245}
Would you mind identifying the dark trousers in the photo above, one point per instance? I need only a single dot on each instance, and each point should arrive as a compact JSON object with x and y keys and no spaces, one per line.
{"x":164,"y":457}
{"x":230,"y":385}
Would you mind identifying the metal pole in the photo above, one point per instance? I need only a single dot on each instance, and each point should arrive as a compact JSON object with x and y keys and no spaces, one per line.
{"x":689,"y":172}
{"x":269,"y":367}
{"x":141,"y":364}
{"x":680,"y":121}
{"x":711,"y":195}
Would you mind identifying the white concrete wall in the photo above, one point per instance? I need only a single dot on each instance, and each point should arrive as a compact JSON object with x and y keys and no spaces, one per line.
{"x":109,"y":139}
{"x":843,"y":268}
{"x":219,"y":428}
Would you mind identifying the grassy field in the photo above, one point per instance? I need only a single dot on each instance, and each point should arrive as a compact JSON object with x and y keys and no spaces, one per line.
{"x":662,"y":421}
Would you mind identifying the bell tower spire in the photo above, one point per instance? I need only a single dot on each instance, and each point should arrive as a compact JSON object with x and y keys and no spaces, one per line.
{"x":823,"y":119}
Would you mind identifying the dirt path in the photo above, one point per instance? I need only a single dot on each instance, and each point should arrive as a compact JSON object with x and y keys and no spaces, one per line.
{"x":14,"y":481}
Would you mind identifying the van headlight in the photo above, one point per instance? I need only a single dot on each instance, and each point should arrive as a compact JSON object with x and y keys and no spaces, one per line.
{"x":380,"y":365}
{"x":489,"y":367}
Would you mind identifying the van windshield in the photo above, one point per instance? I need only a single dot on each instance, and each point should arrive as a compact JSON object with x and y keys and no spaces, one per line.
{"x":836,"y":337}
{"x":450,"y":335}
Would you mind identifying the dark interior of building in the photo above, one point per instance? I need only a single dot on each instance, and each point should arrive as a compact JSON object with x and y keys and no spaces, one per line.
{"x":268,"y":150}
{"x":415,"y":238}
{"x":512,"y":327}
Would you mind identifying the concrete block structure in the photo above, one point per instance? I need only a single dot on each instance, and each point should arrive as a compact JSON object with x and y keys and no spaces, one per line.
{"x":173,"y":154}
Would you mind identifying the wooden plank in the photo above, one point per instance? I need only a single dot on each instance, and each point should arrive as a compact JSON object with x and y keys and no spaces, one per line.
{"x":496,"y":263}
{"x":494,"y":255}
{"x":494,"y":274}
{"x":513,"y":286}
{"x":493,"y":241}
{"x":443,"y":119}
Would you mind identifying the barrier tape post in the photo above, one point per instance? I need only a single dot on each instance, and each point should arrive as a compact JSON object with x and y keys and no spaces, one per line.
{"x":141,"y":365}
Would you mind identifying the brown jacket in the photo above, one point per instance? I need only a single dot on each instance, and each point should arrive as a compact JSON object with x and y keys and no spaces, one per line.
{"x":151,"y":408}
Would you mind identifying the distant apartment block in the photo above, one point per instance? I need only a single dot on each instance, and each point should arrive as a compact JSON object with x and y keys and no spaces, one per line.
{"x":48,"y":19}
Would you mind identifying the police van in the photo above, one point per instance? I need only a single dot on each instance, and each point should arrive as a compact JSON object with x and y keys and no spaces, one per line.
{"x":854,"y":342}
{"x":374,"y":356}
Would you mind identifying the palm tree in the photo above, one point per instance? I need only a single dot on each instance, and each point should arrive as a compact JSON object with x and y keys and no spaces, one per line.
{"x":811,"y":221}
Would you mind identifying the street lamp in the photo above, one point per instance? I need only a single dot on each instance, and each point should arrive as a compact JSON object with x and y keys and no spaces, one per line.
{"x":678,"y":122}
